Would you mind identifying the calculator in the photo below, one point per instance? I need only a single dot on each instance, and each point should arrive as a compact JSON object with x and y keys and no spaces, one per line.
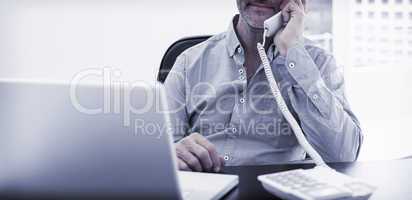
{"x":319,"y":183}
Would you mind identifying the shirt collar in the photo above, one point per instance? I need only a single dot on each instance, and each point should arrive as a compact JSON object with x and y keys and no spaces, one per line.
{"x":232,"y":41}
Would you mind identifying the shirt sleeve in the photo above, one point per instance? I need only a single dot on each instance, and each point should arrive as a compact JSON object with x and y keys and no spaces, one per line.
{"x":176,"y":96}
{"x":319,"y":100}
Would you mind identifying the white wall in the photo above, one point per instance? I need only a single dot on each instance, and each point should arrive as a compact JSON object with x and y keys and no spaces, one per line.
{"x":55,"y":39}
{"x":380,"y":95}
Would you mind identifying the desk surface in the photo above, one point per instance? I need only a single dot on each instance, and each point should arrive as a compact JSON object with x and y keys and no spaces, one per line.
{"x":393,"y":178}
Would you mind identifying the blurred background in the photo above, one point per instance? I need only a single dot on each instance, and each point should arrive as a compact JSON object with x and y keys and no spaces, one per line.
{"x":56,"y":39}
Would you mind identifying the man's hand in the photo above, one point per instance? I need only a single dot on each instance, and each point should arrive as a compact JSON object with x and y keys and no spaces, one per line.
{"x":196,"y":153}
{"x":293,"y":12}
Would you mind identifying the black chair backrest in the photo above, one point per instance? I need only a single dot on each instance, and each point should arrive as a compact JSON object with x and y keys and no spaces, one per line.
{"x":174,"y":51}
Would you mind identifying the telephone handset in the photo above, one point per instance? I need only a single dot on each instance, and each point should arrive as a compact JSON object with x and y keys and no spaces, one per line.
{"x":320,"y":182}
{"x":272,"y":25}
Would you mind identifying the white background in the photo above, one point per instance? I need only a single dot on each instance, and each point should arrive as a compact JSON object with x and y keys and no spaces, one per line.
{"x":55,"y":40}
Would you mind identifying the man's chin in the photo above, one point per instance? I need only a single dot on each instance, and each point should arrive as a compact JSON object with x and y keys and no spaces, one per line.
{"x":254,"y":20}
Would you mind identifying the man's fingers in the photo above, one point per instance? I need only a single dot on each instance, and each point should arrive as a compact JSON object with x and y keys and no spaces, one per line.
{"x":182,"y":165}
{"x":202,"y":155}
{"x":217,"y":164}
{"x":189,"y":159}
{"x":285,"y":14}
{"x":300,"y":4}
{"x":199,"y":154}
{"x":291,"y":10}
{"x":287,"y":11}
{"x":292,"y":7}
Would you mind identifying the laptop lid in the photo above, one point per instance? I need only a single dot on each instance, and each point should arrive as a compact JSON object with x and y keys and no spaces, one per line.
{"x":61,"y":140}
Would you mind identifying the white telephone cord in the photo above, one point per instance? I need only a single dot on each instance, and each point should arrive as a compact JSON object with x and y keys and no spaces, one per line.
{"x":284,"y":109}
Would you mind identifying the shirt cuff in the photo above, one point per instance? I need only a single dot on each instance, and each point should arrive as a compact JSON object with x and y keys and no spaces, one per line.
{"x":305,"y":72}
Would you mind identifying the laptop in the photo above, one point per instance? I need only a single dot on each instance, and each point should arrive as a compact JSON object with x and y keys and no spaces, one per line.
{"x":93,"y":141}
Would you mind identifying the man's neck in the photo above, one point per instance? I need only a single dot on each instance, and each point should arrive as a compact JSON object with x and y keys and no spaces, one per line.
{"x":249,"y":36}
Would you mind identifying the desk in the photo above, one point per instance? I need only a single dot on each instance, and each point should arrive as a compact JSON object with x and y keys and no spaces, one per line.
{"x":394,"y":178}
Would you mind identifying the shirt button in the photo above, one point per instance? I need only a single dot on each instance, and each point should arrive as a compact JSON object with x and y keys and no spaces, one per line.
{"x":292,"y":65}
{"x":239,"y":50}
{"x":242,"y":78}
{"x":234,"y":130}
{"x":315,"y":97}
{"x":242,"y":100}
{"x":226,"y":157}
{"x":241,"y":71}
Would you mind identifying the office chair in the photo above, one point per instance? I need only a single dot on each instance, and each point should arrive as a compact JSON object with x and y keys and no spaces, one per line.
{"x":174,"y":51}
